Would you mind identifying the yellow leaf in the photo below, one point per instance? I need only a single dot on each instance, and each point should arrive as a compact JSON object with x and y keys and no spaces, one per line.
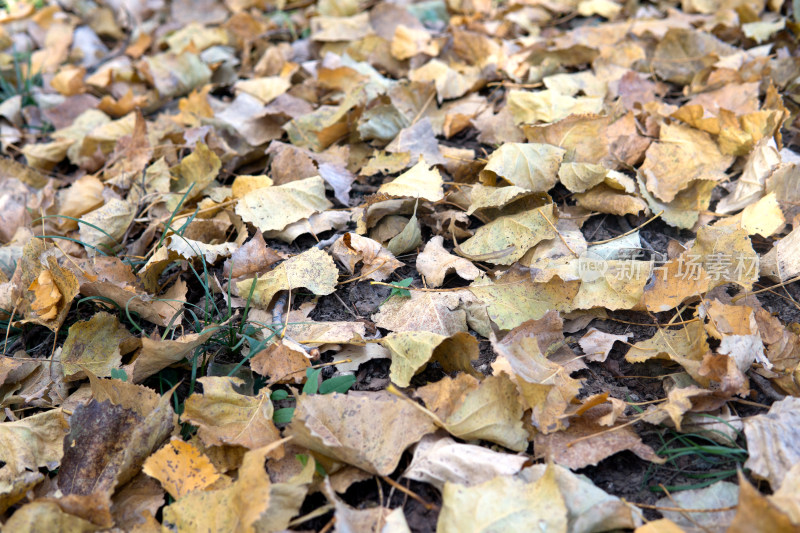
{"x":488,"y":410}
{"x":420,"y":181}
{"x":531,"y":166}
{"x":274,"y":208}
{"x":93,"y":345}
{"x":369,"y":430}
{"x":226,"y":417}
{"x":412,"y":350}
{"x":46,"y":296}
{"x":506,"y":239}
{"x":505,"y":503}
{"x":313,"y":269}
{"x":181,"y":468}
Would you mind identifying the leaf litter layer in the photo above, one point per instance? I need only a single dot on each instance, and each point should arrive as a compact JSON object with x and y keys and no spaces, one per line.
{"x":451,"y":265}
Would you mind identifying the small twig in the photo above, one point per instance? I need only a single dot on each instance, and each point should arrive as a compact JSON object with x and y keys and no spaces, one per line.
{"x":363,"y":275}
{"x":411,"y":494}
{"x":328,"y":526}
{"x":640,"y":226}
{"x":327,"y":242}
{"x":681,"y":509}
{"x":558,"y":233}
{"x":345,"y":306}
{"x":277,"y":311}
{"x":766,"y":387}
{"x":684,"y":512}
{"x":438,"y":421}
{"x":319,"y":511}
{"x":399,"y":287}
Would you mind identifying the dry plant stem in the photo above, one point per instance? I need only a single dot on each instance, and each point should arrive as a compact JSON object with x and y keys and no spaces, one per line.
{"x":558,"y":232}
{"x":362,"y":276}
{"x":411,"y":494}
{"x":328,"y":526}
{"x":765,"y":289}
{"x":394,"y":390}
{"x":640,"y":226}
{"x":684,"y":512}
{"x":312,"y":515}
{"x":679,"y":509}
{"x":766,"y":387}
{"x":456,"y":289}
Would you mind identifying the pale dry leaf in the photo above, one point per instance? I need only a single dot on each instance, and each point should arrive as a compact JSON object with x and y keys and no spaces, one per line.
{"x":506,"y":239}
{"x":420,"y":181}
{"x":438,"y":460}
{"x":472,"y":409}
{"x":772,"y":441}
{"x":274,"y":208}
{"x":224,"y":416}
{"x":369,"y":430}
{"x":506,"y":503}
{"x":313,"y":269}
{"x":531,"y":166}
{"x":377,"y":263}
{"x":434,"y":262}
{"x":436,"y":312}
{"x":597,"y":344}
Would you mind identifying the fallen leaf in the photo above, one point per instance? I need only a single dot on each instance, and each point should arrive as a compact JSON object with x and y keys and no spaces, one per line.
{"x":531,"y":166}
{"x":435,"y":312}
{"x":506,"y":239}
{"x":412,"y":350}
{"x":274,"y":208}
{"x":180,"y":468}
{"x":488,"y":410}
{"x":504,"y":503}
{"x":434,"y":262}
{"x":378,"y":428}
{"x":313,"y":269}
{"x":438,"y":460}
{"x":772,"y":441}
{"x":420,"y":181}
{"x":33,"y":442}
{"x":93,"y":345}
{"x":224,"y":416}
{"x":378,"y":263}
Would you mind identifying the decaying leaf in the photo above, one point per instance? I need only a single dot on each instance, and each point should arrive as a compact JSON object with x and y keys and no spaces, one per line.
{"x":772,"y":441}
{"x":378,"y":263}
{"x":313,"y":269}
{"x":181,"y":468}
{"x":224,"y":416}
{"x":412,"y":350}
{"x":434,"y":262}
{"x":274,"y":208}
{"x":378,"y":428}
{"x":489,"y":409}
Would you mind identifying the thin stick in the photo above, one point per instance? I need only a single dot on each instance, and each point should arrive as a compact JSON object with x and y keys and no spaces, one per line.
{"x":454,"y":289}
{"x":310,"y":516}
{"x":681,"y":509}
{"x":411,"y":494}
{"x":394,"y":390}
{"x":362,"y":276}
{"x":637,"y":228}
{"x":328,"y":526}
{"x":558,"y":232}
